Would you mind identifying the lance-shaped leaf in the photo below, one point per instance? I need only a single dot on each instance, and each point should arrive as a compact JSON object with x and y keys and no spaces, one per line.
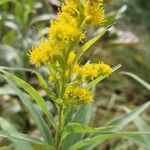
{"x":40,"y":78}
{"x":109,"y":20}
{"x":7,"y":90}
{"x":87,"y":45}
{"x":138,"y":79}
{"x":127,"y":118}
{"x":73,"y":128}
{"x":40,"y":122}
{"x":83,"y":116}
{"x":25,"y":138}
{"x":10,"y":128}
{"x":141,"y":125}
{"x":22,"y":137}
{"x":33,"y":93}
{"x":134,"y":136}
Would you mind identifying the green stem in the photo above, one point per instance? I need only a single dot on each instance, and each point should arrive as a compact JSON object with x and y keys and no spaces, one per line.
{"x":63,"y":79}
{"x":53,"y":74}
{"x":60,"y":108}
{"x":59,"y":129}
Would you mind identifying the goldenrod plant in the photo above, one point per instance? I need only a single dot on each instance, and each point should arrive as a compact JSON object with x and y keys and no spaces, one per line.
{"x":69,"y":84}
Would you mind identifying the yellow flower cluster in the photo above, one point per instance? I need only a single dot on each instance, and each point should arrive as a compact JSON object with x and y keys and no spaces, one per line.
{"x":63,"y":35}
{"x":41,"y":54}
{"x":67,"y":30}
{"x":71,"y":7}
{"x":63,"y":32}
{"x":71,"y":58}
{"x":91,"y":71}
{"x":94,"y":12}
{"x":96,"y":1}
{"x":77,"y":95}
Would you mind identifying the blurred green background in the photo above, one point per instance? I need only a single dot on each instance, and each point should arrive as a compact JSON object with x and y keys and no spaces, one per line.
{"x":24,"y":22}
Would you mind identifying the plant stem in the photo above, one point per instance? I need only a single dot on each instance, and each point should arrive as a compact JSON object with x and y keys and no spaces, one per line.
{"x":59,"y":129}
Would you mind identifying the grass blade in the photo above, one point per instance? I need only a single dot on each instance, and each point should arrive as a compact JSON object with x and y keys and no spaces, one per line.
{"x":125,"y":119}
{"x":138,"y":79}
{"x":141,"y":125}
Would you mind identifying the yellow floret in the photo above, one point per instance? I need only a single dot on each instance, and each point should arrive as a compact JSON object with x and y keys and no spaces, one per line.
{"x":77,"y":96}
{"x":96,"y":1}
{"x":94,"y":12}
{"x":91,"y":71}
{"x":71,"y":7}
{"x":41,"y":54}
{"x":71,"y":58}
{"x":105,"y":69}
{"x":66,"y":32}
{"x":78,"y":71}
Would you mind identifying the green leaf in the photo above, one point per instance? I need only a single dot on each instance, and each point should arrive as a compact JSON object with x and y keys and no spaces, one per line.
{"x":100,"y":78}
{"x":33,"y":93}
{"x":40,"y":78}
{"x":4,"y":1}
{"x":8,"y":127}
{"x":87,"y":45}
{"x":73,"y":128}
{"x":21,"y":137}
{"x":138,"y":79}
{"x":36,"y":115}
{"x":141,"y":125}
{"x":125,"y":119}
{"x":44,"y":85}
{"x":53,"y":74}
{"x":83,"y":116}
{"x":134,"y":136}
{"x":6,"y":91}
{"x":41,"y":124}
{"x":109,"y":20}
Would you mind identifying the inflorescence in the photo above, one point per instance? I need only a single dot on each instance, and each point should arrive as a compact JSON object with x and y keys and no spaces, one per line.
{"x":59,"y":49}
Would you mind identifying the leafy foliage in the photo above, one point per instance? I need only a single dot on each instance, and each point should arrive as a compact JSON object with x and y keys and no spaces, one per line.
{"x":19,"y":27}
